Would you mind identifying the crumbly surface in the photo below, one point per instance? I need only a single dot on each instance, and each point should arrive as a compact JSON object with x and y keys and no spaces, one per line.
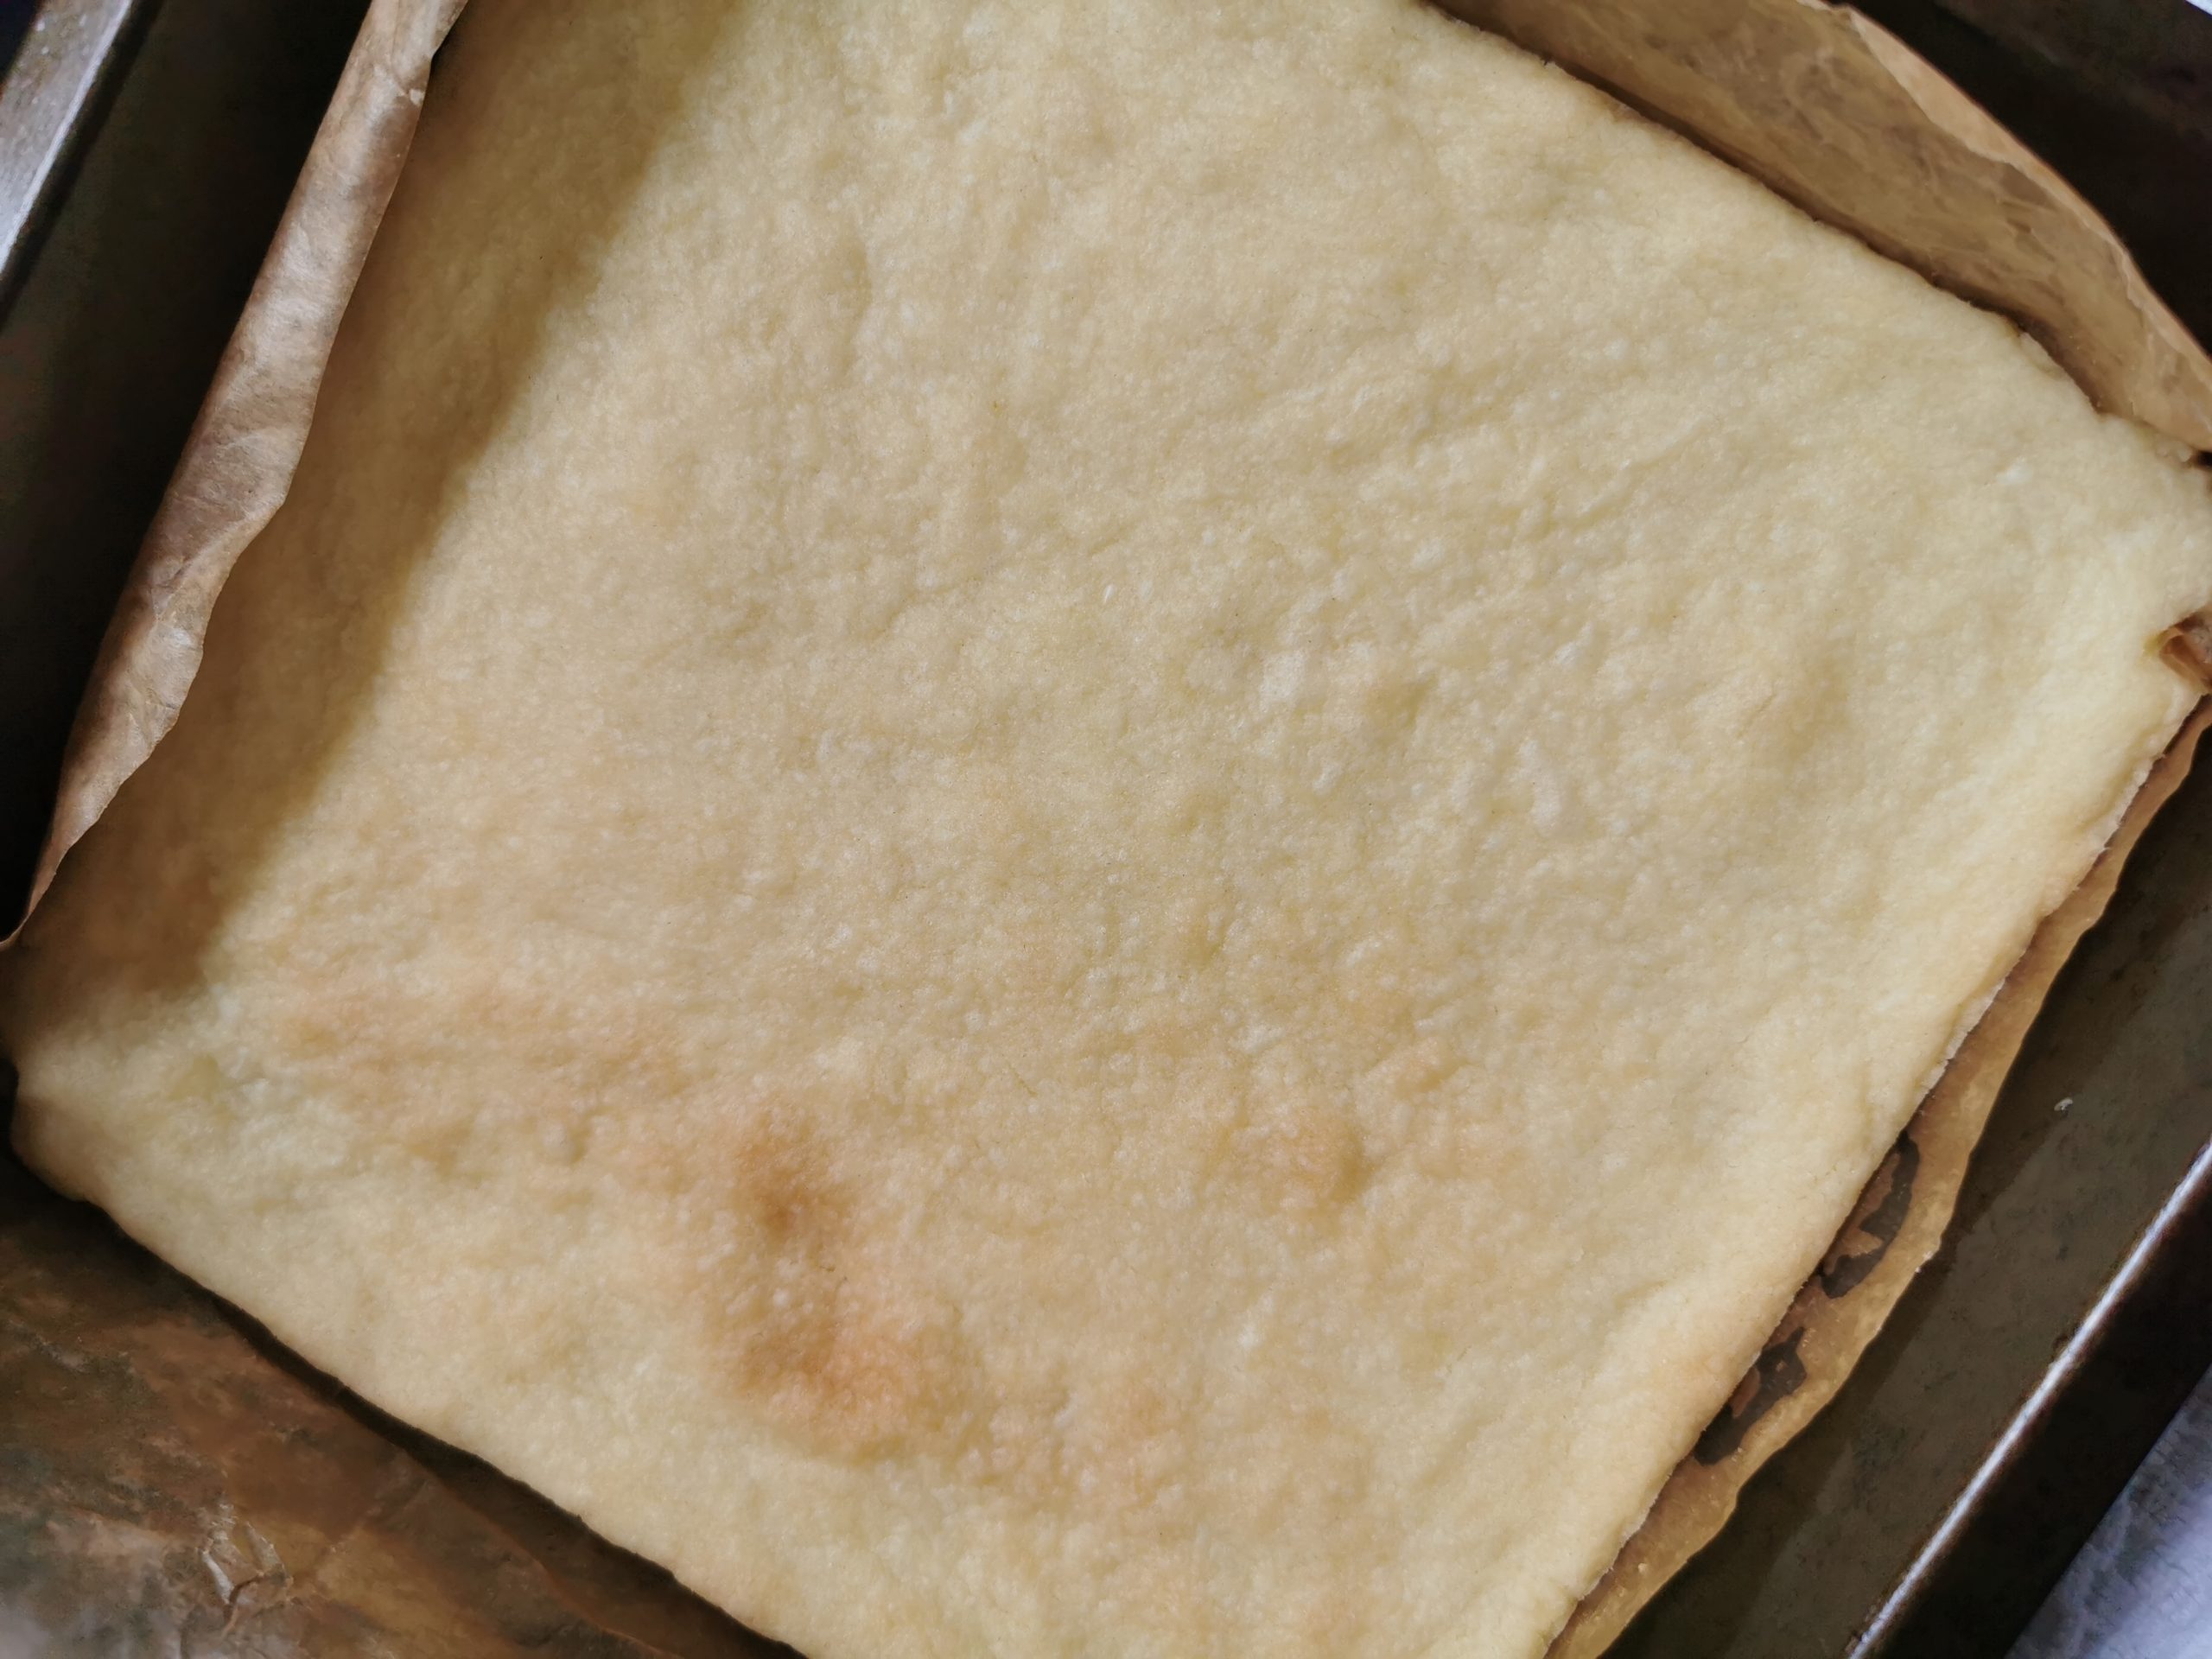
{"x":1073,"y":830}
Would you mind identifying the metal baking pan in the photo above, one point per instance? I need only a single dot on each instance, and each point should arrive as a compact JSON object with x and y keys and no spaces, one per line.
{"x":1931,"y":1507}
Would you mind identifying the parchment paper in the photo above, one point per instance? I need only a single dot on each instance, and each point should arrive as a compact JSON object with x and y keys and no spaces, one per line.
{"x":1822,"y":103}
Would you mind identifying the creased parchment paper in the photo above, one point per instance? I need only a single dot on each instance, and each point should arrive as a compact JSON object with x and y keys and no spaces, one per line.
{"x":1819,"y":103}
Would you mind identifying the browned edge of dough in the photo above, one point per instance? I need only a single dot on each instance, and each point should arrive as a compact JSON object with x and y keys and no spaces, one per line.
{"x":239,"y":461}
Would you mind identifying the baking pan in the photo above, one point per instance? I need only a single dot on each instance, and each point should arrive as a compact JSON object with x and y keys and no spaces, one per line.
{"x":1930,"y":1507}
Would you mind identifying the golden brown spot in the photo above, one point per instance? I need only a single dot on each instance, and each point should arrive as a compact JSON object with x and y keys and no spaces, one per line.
{"x":797,"y":1283}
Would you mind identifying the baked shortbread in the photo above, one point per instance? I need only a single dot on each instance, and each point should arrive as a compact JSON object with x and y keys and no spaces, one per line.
{"x":1073,"y":830}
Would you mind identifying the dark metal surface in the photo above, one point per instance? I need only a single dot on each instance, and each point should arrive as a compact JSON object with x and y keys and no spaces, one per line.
{"x":66,"y":59}
{"x":2111,"y":1389}
{"x":2156,"y":58}
{"x":118,"y":327}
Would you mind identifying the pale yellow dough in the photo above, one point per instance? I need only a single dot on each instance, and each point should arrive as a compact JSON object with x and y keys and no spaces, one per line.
{"x":1056,"y":828}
